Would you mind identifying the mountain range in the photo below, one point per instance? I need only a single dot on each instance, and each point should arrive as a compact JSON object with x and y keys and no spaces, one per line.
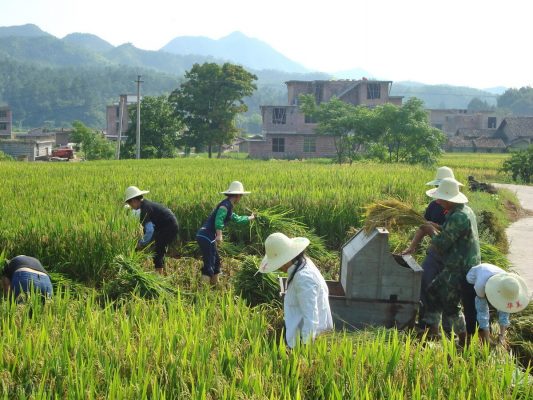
{"x":83,"y":55}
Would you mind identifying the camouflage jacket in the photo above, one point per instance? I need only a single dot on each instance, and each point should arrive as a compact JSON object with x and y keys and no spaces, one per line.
{"x":458,"y":241}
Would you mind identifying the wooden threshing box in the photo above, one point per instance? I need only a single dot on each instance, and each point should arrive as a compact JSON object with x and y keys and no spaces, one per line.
{"x":376,"y":287}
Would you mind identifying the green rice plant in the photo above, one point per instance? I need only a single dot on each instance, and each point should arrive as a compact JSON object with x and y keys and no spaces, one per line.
{"x":391,"y":214}
{"x":490,"y":254}
{"x":520,"y":336}
{"x":254,"y":287}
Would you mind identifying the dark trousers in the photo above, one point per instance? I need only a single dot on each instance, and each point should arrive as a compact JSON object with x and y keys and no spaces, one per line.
{"x":468,"y":298}
{"x":25,"y":282}
{"x":209,"y":255}
{"x":161,"y":241}
{"x":432,"y":266}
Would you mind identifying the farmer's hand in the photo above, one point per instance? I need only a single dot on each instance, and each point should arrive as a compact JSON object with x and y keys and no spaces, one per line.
{"x":409,"y":250}
{"x":218,"y":237}
{"x":251,"y":217}
{"x":429,"y":229}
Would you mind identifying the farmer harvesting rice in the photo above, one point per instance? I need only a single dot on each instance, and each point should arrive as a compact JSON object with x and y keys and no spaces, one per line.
{"x":159,"y":224}
{"x":508,"y":293}
{"x":211,"y":231}
{"x":457,"y":244}
{"x":306,"y":305}
{"x":435,"y":216}
{"x":22,"y":274}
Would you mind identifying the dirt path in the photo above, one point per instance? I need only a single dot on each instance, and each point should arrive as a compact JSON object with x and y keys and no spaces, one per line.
{"x":520,"y":235}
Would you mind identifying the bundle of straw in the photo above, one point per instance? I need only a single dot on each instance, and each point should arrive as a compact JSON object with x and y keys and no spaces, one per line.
{"x":278,"y":219}
{"x":391,"y":214}
{"x":256,"y":288}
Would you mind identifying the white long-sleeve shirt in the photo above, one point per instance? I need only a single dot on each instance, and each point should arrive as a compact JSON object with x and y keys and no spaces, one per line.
{"x":306,"y":305}
{"x":480,"y":274}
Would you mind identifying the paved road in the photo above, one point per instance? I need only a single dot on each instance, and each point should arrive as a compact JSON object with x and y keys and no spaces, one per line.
{"x":520,"y":235}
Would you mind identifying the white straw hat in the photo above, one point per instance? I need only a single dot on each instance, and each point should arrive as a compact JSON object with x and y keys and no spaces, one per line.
{"x":448,"y":190}
{"x":507,"y":292}
{"x":133,"y":191}
{"x":443,"y":172}
{"x":235,"y":187}
{"x":279,"y":250}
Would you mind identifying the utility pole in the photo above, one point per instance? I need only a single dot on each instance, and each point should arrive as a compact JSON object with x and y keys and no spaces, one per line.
{"x":138,"y":133}
{"x":119,"y":136}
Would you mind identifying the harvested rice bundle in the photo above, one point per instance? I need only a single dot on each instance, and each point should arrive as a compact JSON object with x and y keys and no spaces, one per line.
{"x":278,"y":219}
{"x":130,"y":278}
{"x":391,"y":214}
{"x":256,"y":288}
{"x":492,"y":255}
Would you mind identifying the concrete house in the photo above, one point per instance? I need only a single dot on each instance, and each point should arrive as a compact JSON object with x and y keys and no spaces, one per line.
{"x":516,"y":132}
{"x":113,"y":116}
{"x":289,"y":133}
{"x":450,"y":120}
{"x":6,"y":123}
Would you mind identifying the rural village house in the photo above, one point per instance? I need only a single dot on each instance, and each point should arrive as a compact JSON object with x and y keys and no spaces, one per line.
{"x":288,"y":133}
{"x":6,"y":123}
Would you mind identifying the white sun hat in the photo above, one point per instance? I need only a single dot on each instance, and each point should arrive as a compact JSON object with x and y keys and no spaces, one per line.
{"x":443,"y":172}
{"x":281,"y":249}
{"x":507,"y":292}
{"x":235,"y":187}
{"x":134,"y":191}
{"x":448,"y":190}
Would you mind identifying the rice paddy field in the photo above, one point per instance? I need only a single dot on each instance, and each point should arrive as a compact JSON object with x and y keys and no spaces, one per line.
{"x":116,"y":330}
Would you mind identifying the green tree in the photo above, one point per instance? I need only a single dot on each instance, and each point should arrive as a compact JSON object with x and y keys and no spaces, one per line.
{"x":520,"y":165}
{"x":208,"y":101}
{"x":351,"y":127}
{"x":479,"y":105}
{"x":518,"y":101}
{"x":407,"y":134}
{"x":160,"y":129}
{"x":93,"y":143}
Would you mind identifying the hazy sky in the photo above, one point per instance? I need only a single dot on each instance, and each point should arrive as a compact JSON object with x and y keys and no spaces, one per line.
{"x":478,"y":43}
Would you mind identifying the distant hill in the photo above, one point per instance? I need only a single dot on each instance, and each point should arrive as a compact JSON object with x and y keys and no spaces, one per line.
{"x":236,"y":47}
{"x":28,"y":30}
{"x":49,"y":51}
{"x":442,"y":96}
{"x":88,"y":42}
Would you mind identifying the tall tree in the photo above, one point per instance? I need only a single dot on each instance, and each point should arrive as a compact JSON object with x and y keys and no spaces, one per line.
{"x":518,"y":101}
{"x":160,"y":129}
{"x":208,"y":101}
{"x":93,"y":143}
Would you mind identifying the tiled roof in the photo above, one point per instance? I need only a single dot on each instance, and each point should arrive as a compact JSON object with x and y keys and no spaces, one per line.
{"x":489,"y":143}
{"x":459,"y":142}
{"x":515,"y":127}
{"x":474,"y":133}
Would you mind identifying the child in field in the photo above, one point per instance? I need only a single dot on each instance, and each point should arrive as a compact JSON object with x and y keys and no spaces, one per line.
{"x":507,"y":292}
{"x":159,"y":224}
{"x":211,"y":231}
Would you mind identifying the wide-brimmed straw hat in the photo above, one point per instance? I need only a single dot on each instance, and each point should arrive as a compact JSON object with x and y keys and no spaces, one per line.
{"x":235,"y":187}
{"x":134,"y":191}
{"x":443,"y":172}
{"x":281,"y":249}
{"x":448,"y":190}
{"x":507,"y":292}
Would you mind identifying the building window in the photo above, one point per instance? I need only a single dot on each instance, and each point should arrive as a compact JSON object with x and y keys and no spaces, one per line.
{"x":278,"y":145}
{"x":3,"y":114}
{"x":492,"y":123}
{"x":309,"y":119}
{"x":117,"y":127}
{"x":3,"y":126}
{"x":309,"y":144}
{"x":438,"y":126}
{"x":279,"y":115}
{"x":373,"y":91}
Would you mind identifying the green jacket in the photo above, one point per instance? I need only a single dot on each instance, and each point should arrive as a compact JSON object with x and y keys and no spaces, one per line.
{"x":458,"y":241}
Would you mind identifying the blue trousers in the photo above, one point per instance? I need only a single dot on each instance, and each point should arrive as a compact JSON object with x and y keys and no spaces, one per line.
{"x":209,"y":255}
{"x":24,"y":282}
